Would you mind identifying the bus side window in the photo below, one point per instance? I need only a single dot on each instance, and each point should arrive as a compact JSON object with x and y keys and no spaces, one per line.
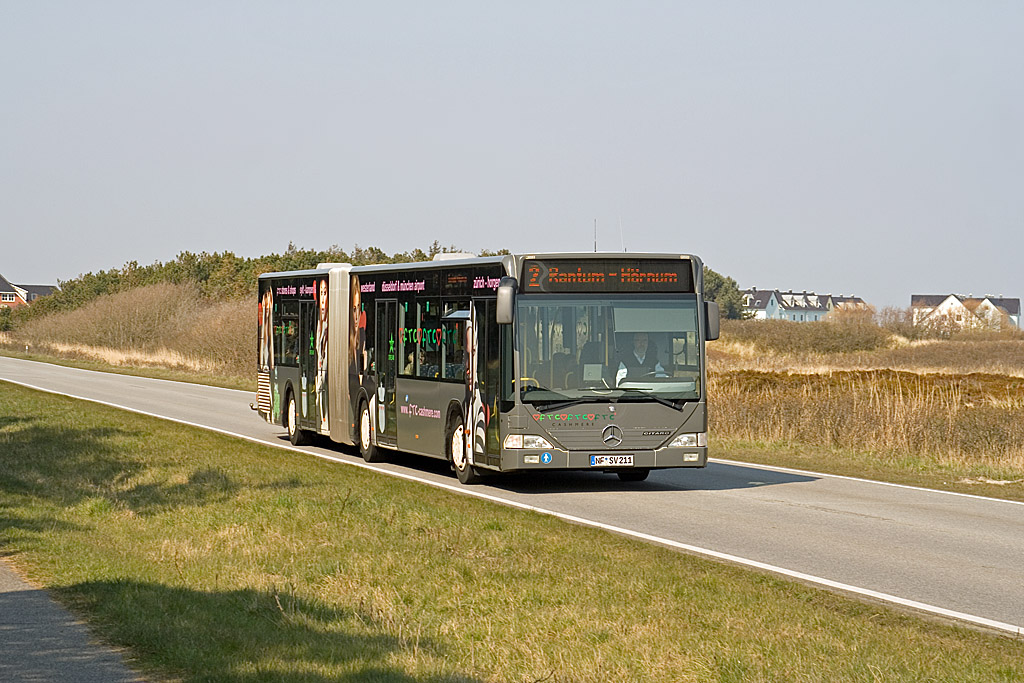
{"x":406,"y":340}
{"x":291,"y":343}
{"x":370,"y":337}
{"x":684,"y":351}
{"x":429,"y":344}
{"x":286,"y":335}
{"x":278,"y":334}
{"x":454,"y":335}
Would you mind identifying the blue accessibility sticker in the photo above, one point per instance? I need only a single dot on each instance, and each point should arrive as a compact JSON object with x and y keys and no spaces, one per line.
{"x":545,"y":458}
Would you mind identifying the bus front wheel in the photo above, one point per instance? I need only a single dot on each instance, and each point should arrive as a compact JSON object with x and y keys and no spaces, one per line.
{"x":367,"y":448}
{"x":455,"y":437}
{"x":297,"y":435}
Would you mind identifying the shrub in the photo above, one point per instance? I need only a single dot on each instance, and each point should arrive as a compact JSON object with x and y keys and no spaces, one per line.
{"x":142,"y":318}
{"x":840,"y":336}
{"x":163,"y":324}
{"x":222,"y":335}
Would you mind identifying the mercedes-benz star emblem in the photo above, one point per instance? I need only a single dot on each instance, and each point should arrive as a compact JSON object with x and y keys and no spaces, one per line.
{"x":611,"y":436}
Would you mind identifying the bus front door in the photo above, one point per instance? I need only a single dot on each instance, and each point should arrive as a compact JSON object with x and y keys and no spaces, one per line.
{"x":387,"y":370}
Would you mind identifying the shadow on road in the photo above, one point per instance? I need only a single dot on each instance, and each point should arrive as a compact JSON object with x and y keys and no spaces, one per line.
{"x":716,"y":476}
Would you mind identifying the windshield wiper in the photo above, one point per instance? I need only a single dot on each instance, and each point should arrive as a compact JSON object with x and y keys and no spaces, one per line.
{"x":571,"y":402}
{"x":642,"y":391}
{"x":530,"y":395}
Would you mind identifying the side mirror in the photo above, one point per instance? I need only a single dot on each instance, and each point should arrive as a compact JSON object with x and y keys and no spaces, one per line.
{"x":506,"y":306}
{"x":711,"y":320}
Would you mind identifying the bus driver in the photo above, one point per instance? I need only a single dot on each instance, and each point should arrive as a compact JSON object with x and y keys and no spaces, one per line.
{"x":640,"y":361}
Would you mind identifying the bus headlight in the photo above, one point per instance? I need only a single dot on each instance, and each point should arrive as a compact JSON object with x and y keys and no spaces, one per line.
{"x":526,"y":441}
{"x":690,"y":440}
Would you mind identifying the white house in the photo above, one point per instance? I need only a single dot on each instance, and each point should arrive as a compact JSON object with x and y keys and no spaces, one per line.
{"x":761,"y":304}
{"x":960,"y":312}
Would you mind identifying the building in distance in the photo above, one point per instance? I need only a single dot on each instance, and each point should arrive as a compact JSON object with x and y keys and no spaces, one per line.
{"x":772,"y":304}
{"x":948,"y":312}
{"x":13,"y":296}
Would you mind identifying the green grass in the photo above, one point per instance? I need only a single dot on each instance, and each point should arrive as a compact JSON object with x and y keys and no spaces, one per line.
{"x":213,"y":559}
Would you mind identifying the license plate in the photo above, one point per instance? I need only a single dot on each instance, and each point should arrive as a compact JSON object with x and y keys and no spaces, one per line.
{"x":611,"y":460}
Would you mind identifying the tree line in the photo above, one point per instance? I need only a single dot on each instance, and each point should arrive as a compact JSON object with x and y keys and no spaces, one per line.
{"x":226,"y":275}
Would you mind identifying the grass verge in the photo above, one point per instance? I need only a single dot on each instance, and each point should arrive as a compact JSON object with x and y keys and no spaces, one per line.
{"x":212,"y":559}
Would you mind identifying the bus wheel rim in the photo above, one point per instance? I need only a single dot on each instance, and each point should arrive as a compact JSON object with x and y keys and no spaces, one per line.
{"x":459,"y":448}
{"x":364,"y":428}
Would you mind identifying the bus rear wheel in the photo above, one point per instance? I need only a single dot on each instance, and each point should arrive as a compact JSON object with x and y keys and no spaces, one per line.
{"x":455,"y":438}
{"x":367,"y":448}
{"x":633,"y":475}
{"x":297,"y":435}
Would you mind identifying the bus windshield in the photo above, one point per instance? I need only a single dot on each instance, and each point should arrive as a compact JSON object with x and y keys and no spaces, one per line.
{"x":604,"y":347}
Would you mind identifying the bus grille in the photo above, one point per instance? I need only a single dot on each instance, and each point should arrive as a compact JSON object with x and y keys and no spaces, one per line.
{"x":263,"y":392}
{"x":590,"y":439}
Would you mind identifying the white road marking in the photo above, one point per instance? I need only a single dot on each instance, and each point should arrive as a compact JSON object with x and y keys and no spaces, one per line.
{"x":790,"y":470}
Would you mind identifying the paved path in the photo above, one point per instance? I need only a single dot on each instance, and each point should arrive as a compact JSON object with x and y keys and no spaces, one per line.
{"x":41,"y":641}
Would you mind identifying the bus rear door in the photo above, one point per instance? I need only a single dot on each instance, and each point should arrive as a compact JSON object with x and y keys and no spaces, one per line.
{"x":307,"y":366}
{"x":387,"y":368}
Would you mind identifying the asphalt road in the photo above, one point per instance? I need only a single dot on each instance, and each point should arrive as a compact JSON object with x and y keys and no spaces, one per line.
{"x":947,"y":554}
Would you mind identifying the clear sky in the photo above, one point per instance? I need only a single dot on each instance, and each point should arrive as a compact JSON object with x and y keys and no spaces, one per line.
{"x":866,"y":147}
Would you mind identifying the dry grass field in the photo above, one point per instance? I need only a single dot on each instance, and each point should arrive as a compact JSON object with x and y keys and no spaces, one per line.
{"x":779,"y":346}
{"x":935,"y":356}
{"x":876,"y":404}
{"x":971,"y":424}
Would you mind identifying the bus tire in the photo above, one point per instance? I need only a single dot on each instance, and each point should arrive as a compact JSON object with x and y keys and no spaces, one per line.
{"x":455,"y":440}
{"x":367,"y":448}
{"x":297,"y":435}
{"x":633,"y":475}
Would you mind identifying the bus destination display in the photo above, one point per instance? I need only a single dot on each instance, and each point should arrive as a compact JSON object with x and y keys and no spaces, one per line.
{"x":607,"y":275}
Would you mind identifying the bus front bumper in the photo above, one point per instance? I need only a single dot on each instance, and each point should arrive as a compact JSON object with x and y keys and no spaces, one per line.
{"x":603,"y":460}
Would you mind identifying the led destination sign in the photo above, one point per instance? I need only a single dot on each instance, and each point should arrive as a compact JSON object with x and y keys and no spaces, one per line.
{"x":607,"y":275}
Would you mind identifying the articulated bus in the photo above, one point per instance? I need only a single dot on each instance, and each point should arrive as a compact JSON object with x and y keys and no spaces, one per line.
{"x":580,"y":361}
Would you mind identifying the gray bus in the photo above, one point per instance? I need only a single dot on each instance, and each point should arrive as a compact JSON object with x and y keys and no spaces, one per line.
{"x":533,"y":362}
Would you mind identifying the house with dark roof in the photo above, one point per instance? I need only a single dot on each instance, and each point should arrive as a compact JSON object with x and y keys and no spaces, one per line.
{"x":771,"y":304}
{"x":13,"y":296}
{"x":847,"y":303}
{"x":762,"y":304}
{"x":803,"y":306}
{"x":965,"y":311}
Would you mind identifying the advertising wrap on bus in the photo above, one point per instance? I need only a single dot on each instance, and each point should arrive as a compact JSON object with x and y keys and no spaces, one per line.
{"x":598,"y":363}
